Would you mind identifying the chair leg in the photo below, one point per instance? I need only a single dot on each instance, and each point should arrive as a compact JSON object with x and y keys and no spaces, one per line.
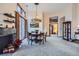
{"x":31,"y":42}
{"x":28,"y":42}
{"x":43,"y":41}
{"x":39,"y":42}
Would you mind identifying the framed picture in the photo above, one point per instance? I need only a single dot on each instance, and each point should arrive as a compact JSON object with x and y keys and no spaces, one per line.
{"x":35,"y":25}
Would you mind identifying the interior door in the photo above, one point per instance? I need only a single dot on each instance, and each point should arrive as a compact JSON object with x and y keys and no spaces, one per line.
{"x":51,"y":29}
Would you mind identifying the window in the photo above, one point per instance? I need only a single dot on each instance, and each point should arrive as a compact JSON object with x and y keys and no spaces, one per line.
{"x":21,"y":27}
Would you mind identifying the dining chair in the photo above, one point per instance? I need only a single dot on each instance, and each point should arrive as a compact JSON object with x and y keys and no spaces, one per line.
{"x":29,"y":37}
{"x":33,"y":38}
{"x":41,"y":38}
{"x":45,"y":36}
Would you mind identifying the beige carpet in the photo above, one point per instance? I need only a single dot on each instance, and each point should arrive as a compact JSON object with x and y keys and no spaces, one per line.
{"x":54,"y":46}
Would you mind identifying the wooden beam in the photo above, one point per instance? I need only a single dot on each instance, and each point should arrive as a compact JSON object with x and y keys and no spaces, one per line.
{"x":17,"y":24}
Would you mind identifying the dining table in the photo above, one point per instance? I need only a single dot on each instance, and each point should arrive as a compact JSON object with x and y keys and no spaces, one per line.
{"x":36,"y":35}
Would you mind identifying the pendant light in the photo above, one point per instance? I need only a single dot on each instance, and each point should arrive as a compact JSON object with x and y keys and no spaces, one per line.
{"x":36,"y":19}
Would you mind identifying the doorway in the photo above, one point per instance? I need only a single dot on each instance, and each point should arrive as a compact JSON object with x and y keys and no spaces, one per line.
{"x":53,"y":25}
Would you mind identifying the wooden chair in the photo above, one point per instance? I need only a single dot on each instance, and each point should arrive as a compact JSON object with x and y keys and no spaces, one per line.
{"x":41,"y":38}
{"x":45,"y":36}
{"x":31,"y":38}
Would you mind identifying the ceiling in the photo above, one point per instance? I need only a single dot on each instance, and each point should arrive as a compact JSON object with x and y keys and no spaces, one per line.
{"x":42,"y":7}
{"x":48,"y":7}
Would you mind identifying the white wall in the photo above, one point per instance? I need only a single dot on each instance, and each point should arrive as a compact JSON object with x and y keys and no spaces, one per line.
{"x":71,"y":13}
{"x":74,"y":19}
{"x":78,"y":13}
{"x":6,"y":8}
{"x":46,"y":23}
{"x":31,"y":15}
{"x":67,"y":12}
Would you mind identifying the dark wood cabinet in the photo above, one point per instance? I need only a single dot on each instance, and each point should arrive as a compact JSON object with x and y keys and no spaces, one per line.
{"x":67,"y":30}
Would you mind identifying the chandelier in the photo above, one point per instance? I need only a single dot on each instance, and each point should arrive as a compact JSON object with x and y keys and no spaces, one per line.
{"x":36,"y":19}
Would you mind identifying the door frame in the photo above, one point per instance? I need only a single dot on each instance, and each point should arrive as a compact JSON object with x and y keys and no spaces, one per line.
{"x":49,"y":28}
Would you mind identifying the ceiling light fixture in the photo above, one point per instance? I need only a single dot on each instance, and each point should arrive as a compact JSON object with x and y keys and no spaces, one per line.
{"x":36,"y":19}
